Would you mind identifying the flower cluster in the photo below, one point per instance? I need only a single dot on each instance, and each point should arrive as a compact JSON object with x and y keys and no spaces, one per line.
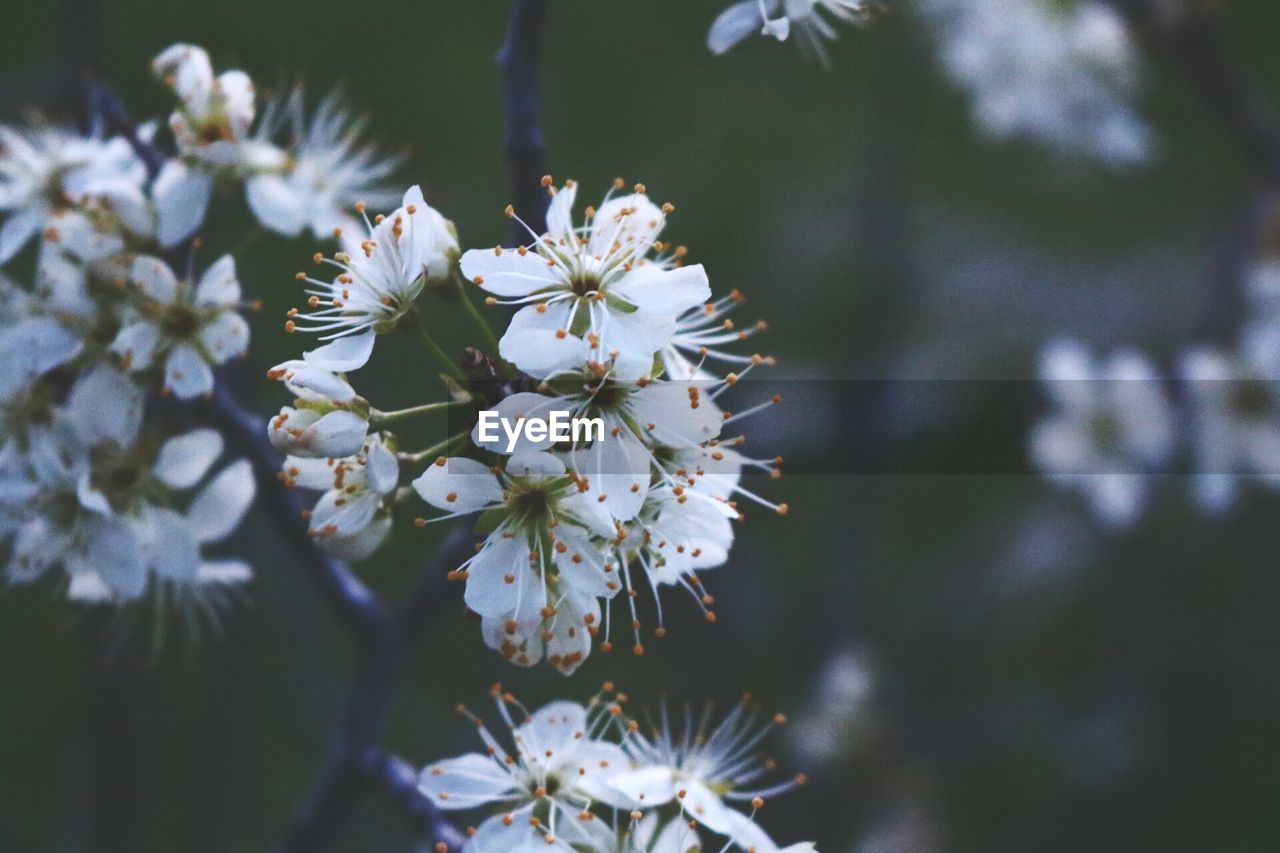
{"x":102,"y":478}
{"x":308,"y":183}
{"x":1063,"y":74}
{"x":812,"y":22}
{"x":1116,"y":427}
{"x":593,"y":778}
{"x":611,"y":325}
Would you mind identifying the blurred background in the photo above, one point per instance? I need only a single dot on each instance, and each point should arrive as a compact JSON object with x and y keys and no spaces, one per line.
{"x":969,"y":659}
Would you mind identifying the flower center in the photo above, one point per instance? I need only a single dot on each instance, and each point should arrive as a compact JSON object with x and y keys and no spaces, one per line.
{"x":181,"y":321}
{"x":584,"y":283}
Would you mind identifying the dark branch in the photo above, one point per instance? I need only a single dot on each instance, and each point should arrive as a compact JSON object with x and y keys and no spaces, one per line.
{"x":357,"y":764}
{"x":526,"y":150}
{"x":105,"y":103}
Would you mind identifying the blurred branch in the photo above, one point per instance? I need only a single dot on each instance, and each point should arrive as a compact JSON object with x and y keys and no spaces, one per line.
{"x":526,"y":150}
{"x":104,"y":102}
{"x":357,"y":763}
{"x":1189,"y":35}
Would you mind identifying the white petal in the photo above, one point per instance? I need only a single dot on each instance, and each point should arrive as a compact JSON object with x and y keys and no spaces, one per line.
{"x":465,"y":782}
{"x":186,"y":373}
{"x":617,"y":470}
{"x":509,"y":273}
{"x":236,"y":91}
{"x":343,"y":354}
{"x":673,"y":416}
{"x":734,"y":25}
{"x":225,"y":337}
{"x":382,"y":470}
{"x":154,"y":279}
{"x":218,"y":508}
{"x":560,"y":213}
{"x":614,"y":224}
{"x":276,"y":203}
{"x":499,"y":578}
{"x":187,"y":69}
{"x":185,"y":459}
{"x":312,"y":383}
{"x":219,"y":285}
{"x":539,"y":342}
{"x":136,"y":344}
{"x":668,"y":292}
{"x":113,"y":550}
{"x":175,"y":554}
{"x":360,"y":545}
{"x":105,"y":405}
{"x":459,"y":485}
{"x":650,"y":786}
{"x":581,"y":564}
{"x":339,"y":513}
{"x":181,"y":197}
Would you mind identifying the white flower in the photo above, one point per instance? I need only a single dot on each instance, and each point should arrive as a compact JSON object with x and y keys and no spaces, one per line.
{"x":537,"y":576}
{"x":378,"y":280}
{"x":329,"y":170}
{"x":702,"y":770}
{"x":591,"y":295}
{"x":328,"y":421}
{"x":1111,"y":429}
{"x":191,"y":329}
{"x":1063,"y":74}
{"x":544,"y":787}
{"x":214,"y":113}
{"x":100,"y":515}
{"x":351,"y":519}
{"x":1235,"y":405}
{"x":44,"y":169}
{"x":810,"y":20}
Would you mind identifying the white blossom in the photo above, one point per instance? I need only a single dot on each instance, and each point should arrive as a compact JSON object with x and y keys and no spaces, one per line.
{"x":544,"y":786}
{"x":1235,"y":407}
{"x":328,"y":170}
{"x":1062,"y":74}
{"x":327,"y":419}
{"x":190,"y":328}
{"x":45,"y":169}
{"x":351,"y":519}
{"x":1111,"y":429}
{"x":704,"y":769}
{"x":377,"y":282}
{"x":811,"y":21}
{"x":591,"y":294}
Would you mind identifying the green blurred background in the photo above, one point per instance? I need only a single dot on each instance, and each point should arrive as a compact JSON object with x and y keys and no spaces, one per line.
{"x":1039,"y":684}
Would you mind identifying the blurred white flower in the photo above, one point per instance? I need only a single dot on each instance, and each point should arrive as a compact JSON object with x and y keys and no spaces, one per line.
{"x":377,"y":282}
{"x":329,"y":169}
{"x":191,"y":328}
{"x":1235,"y":407}
{"x":591,"y":294}
{"x":543,"y":789}
{"x":214,"y":113}
{"x":811,"y":21}
{"x":1062,"y":74}
{"x":703,"y":768}
{"x":89,"y":499}
{"x":1111,"y":428}
{"x":837,"y":718}
{"x":45,"y":169}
